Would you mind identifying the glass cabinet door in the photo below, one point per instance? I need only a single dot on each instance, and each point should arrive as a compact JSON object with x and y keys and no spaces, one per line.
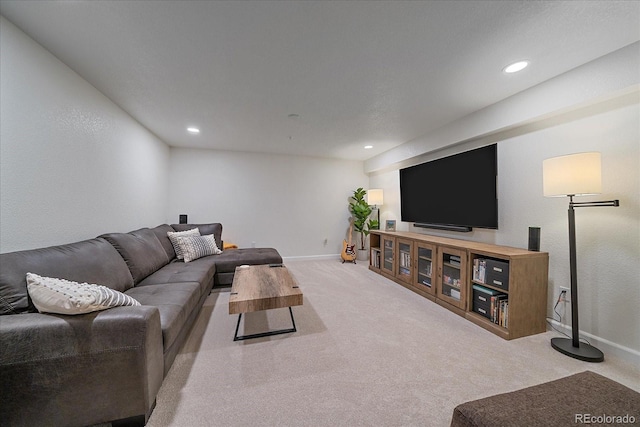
{"x":425,"y":255}
{"x":388,"y":251}
{"x":405,"y":254}
{"x":452,"y":276}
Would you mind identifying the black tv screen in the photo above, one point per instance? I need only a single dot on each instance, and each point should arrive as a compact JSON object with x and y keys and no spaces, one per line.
{"x":457,"y":191}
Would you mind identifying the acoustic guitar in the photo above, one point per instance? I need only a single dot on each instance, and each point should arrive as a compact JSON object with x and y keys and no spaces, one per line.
{"x":348,"y":250}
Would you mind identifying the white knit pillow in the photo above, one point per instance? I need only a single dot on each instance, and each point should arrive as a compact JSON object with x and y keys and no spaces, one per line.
{"x":173,"y":236}
{"x":62,"y":296}
{"x":194,"y":247}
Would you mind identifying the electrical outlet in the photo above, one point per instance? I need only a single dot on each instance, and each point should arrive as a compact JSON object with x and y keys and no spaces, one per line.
{"x":567,"y":295}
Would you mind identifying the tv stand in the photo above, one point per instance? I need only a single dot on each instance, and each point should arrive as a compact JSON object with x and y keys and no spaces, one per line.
{"x":460,"y":228}
{"x":499,"y":288}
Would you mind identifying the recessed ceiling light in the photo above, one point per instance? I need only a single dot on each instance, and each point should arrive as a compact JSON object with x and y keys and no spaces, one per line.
{"x":516,"y":66}
{"x":366,"y":147}
{"x":193,"y":130}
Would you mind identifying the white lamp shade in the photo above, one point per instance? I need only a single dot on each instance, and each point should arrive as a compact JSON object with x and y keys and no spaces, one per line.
{"x":575,"y":174}
{"x":375,"y":197}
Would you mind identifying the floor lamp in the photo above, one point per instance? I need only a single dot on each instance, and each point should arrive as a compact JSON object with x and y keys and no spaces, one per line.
{"x":375,"y":198}
{"x":575,"y":175}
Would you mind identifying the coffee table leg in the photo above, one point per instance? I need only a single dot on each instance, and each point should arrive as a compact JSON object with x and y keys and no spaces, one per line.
{"x":265,"y":334}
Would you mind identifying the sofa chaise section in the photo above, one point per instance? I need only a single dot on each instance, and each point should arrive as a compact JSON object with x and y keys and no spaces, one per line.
{"x":228,"y":260}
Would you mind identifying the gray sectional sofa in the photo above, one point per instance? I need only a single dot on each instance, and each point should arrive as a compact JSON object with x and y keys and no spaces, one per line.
{"x":105,"y":366}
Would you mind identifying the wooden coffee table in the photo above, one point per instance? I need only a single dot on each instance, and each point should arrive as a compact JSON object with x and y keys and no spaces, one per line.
{"x":263,"y":287}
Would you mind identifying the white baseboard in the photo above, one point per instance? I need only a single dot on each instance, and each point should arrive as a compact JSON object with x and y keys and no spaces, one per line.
{"x":607,"y":347}
{"x":311,"y":257}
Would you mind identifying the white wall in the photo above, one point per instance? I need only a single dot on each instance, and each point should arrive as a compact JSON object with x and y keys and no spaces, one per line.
{"x":291,"y":203}
{"x":73,"y":165}
{"x":608,"y":239}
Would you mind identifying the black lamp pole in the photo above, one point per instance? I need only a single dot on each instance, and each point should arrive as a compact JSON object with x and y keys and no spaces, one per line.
{"x":573,"y":347}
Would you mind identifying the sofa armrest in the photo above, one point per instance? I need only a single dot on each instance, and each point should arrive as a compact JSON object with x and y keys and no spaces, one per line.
{"x":80,"y":370}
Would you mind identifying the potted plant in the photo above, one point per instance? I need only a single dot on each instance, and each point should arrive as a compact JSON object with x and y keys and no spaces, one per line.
{"x":361,"y":210}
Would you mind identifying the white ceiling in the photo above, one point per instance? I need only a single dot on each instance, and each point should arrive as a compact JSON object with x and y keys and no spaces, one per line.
{"x":356,"y":73}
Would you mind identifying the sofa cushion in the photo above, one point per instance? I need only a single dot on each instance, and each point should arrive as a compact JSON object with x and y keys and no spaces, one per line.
{"x":213,"y":228}
{"x":175,"y":301}
{"x":52,"y":295}
{"x":93,"y":261}
{"x":141,"y":250}
{"x":161,"y":233}
{"x":173,"y":238}
{"x":200,"y":270}
{"x":227,"y":261}
{"x":194,"y":247}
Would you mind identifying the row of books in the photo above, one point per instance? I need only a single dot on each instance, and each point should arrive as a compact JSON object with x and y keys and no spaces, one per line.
{"x":454,"y":260}
{"x":375,"y":257}
{"x":405,"y":259}
{"x":500,"y":310}
{"x":480,"y":270}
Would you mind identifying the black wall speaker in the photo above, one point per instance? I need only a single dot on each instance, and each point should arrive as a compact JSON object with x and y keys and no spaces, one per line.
{"x":183,"y":219}
{"x":534,"y":239}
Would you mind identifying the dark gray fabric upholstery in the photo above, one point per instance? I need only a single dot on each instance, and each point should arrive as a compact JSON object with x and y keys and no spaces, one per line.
{"x":171,"y":352}
{"x":141,"y":250}
{"x":223,"y":279}
{"x":228,"y":260}
{"x":161,"y":233}
{"x":93,"y":261}
{"x":58,"y":368}
{"x":200,"y":270}
{"x":55,"y":369}
{"x":555,"y":403}
{"x":175,"y":301}
{"x":213,"y":228}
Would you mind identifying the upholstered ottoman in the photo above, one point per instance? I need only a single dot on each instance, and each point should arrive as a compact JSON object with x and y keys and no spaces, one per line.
{"x":584,"y":398}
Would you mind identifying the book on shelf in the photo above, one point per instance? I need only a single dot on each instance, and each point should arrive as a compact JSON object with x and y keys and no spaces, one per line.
{"x":405,"y":259}
{"x":454,"y":260}
{"x":479,"y":270}
{"x":426,"y":270}
{"x":375,"y":257}
{"x":499,"y":309}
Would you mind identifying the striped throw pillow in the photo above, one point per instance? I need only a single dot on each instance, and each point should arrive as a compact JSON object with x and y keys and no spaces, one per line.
{"x":60,"y":296}
{"x":173,"y":236}
{"x":194,"y":247}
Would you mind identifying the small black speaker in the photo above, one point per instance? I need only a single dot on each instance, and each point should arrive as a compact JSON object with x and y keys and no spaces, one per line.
{"x":183,"y":219}
{"x":534,"y":239}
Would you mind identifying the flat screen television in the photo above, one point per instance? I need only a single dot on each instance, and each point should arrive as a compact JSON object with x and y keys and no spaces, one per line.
{"x":458,"y":192}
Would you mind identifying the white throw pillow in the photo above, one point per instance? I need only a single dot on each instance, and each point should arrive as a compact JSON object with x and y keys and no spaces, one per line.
{"x":173,"y":236}
{"x":194,"y":247}
{"x":62,"y":296}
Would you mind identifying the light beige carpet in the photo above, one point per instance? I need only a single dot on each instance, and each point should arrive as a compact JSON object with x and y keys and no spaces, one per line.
{"x":368,"y":352}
